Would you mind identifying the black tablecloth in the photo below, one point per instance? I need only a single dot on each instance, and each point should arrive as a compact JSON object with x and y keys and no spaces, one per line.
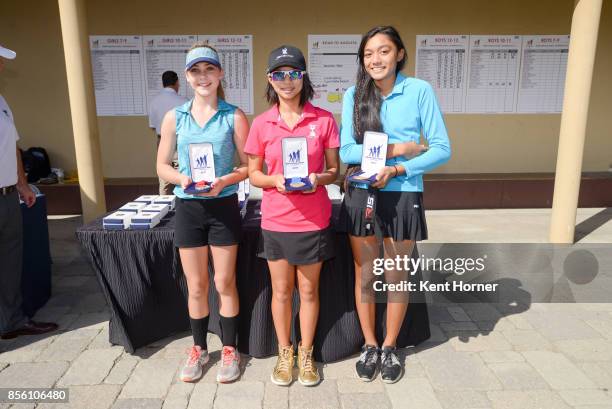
{"x":143,"y":282}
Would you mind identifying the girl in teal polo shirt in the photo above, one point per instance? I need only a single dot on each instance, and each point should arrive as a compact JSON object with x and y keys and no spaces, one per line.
{"x":384,"y":100}
{"x":210,"y":219}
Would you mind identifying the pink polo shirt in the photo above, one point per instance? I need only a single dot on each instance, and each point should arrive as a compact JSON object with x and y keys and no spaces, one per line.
{"x":294,"y":211}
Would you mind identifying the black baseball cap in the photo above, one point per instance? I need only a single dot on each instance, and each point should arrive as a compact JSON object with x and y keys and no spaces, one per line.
{"x":286,"y":55}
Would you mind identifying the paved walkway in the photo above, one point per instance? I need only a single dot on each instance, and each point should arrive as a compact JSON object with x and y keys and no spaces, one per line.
{"x":549,"y":356}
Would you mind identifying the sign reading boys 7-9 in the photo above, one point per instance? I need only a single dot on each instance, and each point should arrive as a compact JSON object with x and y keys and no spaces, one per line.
{"x":374,"y":153}
{"x":295,"y":157}
{"x":202,"y":162}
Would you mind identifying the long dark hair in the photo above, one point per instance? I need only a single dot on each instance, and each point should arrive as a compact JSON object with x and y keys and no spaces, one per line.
{"x":305,"y":95}
{"x":368,"y":99}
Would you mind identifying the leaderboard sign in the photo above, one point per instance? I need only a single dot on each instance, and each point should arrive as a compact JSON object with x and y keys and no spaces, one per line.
{"x":494,"y":74}
{"x":127,"y":70}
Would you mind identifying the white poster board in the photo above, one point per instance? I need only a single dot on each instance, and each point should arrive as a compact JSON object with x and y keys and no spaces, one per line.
{"x":118,"y":74}
{"x":542,"y":76}
{"x":166,"y":53}
{"x":441,"y":60}
{"x":236,"y":55}
{"x":493,"y":73}
{"x":332,"y":66}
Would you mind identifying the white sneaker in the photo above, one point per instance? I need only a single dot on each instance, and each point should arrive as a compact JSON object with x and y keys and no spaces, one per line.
{"x":229,"y":370}
{"x":192,"y":369}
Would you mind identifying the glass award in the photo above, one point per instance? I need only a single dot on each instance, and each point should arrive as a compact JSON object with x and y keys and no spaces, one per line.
{"x":202,"y":164}
{"x":373,"y":158}
{"x":295,"y":163}
{"x":243,"y":192}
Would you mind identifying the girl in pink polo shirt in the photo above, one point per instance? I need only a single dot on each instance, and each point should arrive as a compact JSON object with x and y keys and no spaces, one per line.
{"x":295,"y":224}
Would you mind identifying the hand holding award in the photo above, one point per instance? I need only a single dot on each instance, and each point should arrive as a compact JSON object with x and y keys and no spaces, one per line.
{"x":373,"y":157}
{"x":202,"y":164}
{"x":295,"y":164}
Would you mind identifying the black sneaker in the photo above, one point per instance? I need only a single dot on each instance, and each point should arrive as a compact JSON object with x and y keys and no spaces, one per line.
{"x":390,"y":366}
{"x":366,"y":365}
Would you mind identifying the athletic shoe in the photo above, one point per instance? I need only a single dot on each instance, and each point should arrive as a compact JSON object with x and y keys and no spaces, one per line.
{"x":229,"y":370}
{"x":192,"y":369}
{"x":390,"y":366}
{"x":282,"y":373}
{"x":367,"y":362}
{"x":308,"y":375}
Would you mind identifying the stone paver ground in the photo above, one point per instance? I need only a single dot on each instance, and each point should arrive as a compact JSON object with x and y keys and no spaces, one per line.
{"x":548,"y":356}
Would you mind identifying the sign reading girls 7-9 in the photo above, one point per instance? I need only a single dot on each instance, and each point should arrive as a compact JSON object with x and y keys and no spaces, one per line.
{"x":236,"y":55}
{"x":332,"y":66}
{"x":118,"y":73}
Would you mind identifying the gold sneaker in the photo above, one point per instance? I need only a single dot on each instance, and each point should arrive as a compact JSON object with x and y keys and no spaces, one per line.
{"x":282,"y":373}
{"x":309,"y":374}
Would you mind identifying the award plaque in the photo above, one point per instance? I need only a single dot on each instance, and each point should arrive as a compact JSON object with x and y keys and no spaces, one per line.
{"x":295,"y":163}
{"x":202,"y":164}
{"x":373,"y":158}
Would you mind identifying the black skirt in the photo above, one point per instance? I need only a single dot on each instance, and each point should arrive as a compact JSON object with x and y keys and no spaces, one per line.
{"x":298,"y":248}
{"x":399,"y":215}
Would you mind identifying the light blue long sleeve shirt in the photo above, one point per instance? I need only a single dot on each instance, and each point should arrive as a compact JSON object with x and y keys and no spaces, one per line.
{"x":409,"y":108}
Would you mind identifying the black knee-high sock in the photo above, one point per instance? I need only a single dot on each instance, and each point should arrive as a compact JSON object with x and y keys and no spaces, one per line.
{"x":229,"y":326}
{"x":199,"y":328}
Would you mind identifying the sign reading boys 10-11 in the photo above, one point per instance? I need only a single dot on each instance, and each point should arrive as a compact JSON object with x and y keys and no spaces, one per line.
{"x":202,"y":162}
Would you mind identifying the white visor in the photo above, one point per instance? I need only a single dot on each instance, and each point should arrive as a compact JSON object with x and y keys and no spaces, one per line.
{"x":6,"y":53}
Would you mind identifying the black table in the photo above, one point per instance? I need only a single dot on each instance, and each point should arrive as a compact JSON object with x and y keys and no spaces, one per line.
{"x":142,"y":280}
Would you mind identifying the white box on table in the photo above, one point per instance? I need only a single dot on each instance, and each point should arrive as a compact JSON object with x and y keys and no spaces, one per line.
{"x":146,"y":217}
{"x":169,"y":200}
{"x":148,"y":199}
{"x":157,"y":207}
{"x":133,"y":207}
{"x":144,"y":220}
{"x":117,"y":221}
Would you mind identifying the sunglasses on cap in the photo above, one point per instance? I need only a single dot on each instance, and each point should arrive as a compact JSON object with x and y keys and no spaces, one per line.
{"x":281,"y":75}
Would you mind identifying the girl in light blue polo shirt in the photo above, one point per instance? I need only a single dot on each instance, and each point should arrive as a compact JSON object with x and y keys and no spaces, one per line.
{"x":210,"y":219}
{"x":384,"y":100}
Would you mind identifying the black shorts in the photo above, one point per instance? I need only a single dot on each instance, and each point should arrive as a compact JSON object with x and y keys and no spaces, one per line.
{"x":299,"y":248}
{"x":200,"y":222}
{"x":399,"y":215}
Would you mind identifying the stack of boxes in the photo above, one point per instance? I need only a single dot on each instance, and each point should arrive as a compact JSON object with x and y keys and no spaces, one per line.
{"x":144,"y":213}
{"x":117,"y":221}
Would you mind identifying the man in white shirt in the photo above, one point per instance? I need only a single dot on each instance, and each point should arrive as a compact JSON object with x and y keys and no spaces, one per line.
{"x":13,"y":183}
{"x":167,"y":99}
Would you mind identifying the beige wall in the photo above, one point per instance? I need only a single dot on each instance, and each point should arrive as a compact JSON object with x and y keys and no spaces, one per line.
{"x":35,"y":83}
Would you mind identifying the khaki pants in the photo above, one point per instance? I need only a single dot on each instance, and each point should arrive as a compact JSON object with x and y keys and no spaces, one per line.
{"x":167,"y":188}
